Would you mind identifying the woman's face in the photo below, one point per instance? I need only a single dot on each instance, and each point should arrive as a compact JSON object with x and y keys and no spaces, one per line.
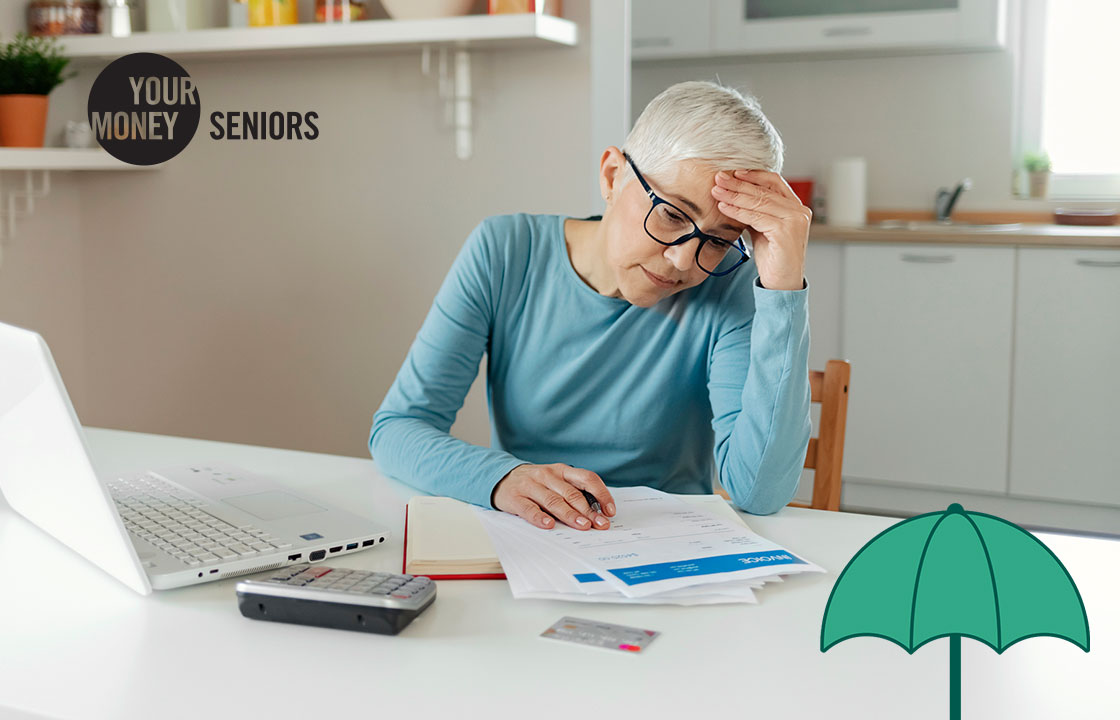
{"x":644,"y":270}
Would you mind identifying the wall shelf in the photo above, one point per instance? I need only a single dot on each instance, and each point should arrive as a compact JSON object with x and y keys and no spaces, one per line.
{"x":469,"y":32}
{"x":54,"y":158}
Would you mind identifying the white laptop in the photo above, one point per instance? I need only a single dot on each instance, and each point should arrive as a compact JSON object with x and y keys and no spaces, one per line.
{"x":155,"y":529}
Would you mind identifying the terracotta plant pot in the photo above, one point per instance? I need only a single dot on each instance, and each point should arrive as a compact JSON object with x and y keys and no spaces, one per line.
{"x":1038,"y":183}
{"x":23,"y":120}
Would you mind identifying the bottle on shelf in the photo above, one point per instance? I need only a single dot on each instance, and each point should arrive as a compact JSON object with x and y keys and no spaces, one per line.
{"x":339,"y":10}
{"x":238,"y":13}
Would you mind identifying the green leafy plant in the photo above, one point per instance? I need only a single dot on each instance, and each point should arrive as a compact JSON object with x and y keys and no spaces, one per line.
{"x":1037,"y":161}
{"x":32,"y":65}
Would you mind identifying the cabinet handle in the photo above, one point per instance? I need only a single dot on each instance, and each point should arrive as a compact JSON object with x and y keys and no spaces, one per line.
{"x":911,"y":257}
{"x":651,"y":42}
{"x":1098,"y":263}
{"x":847,"y":31}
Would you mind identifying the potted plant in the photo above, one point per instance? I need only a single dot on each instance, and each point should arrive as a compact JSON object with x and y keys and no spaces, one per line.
{"x":30,"y":67}
{"x":1037,"y":165}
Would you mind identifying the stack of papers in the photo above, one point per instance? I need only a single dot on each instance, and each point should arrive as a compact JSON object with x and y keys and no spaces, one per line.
{"x":659,"y":549}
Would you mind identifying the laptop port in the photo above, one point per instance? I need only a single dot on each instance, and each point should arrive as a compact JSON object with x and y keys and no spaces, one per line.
{"x":214,"y":571}
{"x":351,"y":546}
{"x":297,"y":556}
{"x":336,"y":548}
{"x":380,"y":539}
{"x":317,"y":555}
{"x":367,"y":543}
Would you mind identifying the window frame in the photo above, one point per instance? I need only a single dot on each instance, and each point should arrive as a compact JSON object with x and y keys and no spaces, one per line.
{"x":1029,"y":48}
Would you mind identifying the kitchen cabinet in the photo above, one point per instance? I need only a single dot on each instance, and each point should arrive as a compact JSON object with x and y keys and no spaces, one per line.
{"x":927,"y":329}
{"x":823,"y":269}
{"x":1065,"y":439}
{"x":779,"y":26}
{"x":670,"y":28}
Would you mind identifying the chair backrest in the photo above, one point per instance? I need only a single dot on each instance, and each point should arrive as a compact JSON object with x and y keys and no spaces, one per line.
{"x":825,"y":455}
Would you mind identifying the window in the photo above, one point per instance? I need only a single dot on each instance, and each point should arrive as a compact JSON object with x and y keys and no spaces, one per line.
{"x":1068,"y":64}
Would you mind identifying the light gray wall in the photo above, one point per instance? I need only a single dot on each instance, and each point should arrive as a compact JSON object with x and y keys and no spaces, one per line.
{"x":266,"y":291}
{"x":42,"y":280}
{"x":922,"y":121}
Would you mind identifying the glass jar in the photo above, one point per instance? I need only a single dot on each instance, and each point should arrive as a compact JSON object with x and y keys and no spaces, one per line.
{"x":64,"y":17}
{"x":339,"y":10}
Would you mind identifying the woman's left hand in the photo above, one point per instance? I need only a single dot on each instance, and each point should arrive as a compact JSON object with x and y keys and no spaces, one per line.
{"x":777,"y":221}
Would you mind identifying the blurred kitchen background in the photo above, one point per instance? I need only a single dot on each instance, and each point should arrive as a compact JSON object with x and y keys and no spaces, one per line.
{"x":266,"y":292}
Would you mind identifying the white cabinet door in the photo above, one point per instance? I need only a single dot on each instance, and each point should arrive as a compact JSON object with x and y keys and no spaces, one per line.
{"x":823,"y":268}
{"x":1065,"y":440}
{"x":927,"y":329}
{"x":780,"y":26}
{"x":670,"y":28}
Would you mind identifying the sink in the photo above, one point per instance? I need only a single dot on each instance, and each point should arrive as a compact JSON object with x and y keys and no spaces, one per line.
{"x":935,"y":226}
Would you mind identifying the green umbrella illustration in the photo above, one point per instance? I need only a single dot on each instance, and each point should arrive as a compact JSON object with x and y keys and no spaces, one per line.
{"x":954,"y":574}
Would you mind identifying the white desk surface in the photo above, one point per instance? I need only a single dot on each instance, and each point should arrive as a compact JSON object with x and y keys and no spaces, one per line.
{"x":76,"y":643}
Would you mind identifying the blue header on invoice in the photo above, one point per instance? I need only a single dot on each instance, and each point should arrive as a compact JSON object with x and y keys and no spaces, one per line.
{"x":703,"y":566}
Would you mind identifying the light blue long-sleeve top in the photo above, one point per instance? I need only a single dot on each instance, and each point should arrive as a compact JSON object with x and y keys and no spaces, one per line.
{"x":712,"y":377}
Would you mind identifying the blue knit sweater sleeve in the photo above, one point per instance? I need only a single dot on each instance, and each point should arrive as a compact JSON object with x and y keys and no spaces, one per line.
{"x":758,"y":385}
{"x":410,"y":437}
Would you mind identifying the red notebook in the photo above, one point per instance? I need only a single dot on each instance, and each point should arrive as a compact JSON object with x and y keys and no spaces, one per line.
{"x":444,"y":540}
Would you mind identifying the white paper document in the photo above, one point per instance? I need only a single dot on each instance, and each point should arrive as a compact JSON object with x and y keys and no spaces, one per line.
{"x":535,"y":570}
{"x":659,"y":548}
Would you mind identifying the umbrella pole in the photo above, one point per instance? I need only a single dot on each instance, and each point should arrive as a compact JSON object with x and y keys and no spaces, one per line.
{"x":954,"y":677}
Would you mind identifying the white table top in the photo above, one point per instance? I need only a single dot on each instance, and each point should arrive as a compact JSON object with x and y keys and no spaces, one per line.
{"x":76,"y":643}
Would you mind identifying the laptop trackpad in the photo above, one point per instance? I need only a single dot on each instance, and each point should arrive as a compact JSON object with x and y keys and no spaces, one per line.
{"x":273,"y":505}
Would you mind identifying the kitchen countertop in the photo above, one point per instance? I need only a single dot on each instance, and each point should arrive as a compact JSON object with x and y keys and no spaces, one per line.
{"x":1034,"y":234}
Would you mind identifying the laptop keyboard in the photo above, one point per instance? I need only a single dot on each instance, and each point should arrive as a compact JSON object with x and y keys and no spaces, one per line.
{"x":177,"y":523}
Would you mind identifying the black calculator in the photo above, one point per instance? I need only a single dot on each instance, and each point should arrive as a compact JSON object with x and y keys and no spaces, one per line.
{"x":307,"y":594}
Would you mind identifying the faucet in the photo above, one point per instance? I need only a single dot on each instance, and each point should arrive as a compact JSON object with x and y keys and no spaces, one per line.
{"x":946,"y":199}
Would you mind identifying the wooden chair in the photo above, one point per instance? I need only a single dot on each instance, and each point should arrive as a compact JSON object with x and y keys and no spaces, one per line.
{"x":825,"y":455}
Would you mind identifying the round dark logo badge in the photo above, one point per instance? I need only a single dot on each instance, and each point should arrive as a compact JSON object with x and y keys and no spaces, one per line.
{"x":144,"y":108}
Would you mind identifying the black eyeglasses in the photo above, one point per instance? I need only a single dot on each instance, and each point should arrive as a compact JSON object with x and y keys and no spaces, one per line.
{"x":667,"y":224}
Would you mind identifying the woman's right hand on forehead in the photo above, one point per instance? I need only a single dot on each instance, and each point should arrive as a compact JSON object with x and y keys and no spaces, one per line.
{"x":543,"y":494}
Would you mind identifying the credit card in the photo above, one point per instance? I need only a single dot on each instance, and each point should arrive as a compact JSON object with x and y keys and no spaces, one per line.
{"x":600,"y":634}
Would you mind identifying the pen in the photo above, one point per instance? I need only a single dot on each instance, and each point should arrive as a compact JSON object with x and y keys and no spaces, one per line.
{"x":591,"y":501}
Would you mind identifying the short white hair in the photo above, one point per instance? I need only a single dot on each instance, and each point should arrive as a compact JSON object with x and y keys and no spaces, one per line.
{"x":703,"y":121}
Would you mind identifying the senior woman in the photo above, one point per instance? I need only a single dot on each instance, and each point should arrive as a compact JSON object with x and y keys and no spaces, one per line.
{"x":651,"y":346}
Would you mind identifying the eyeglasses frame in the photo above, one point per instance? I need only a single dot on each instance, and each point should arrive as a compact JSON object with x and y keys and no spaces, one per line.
{"x":656,"y":200}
